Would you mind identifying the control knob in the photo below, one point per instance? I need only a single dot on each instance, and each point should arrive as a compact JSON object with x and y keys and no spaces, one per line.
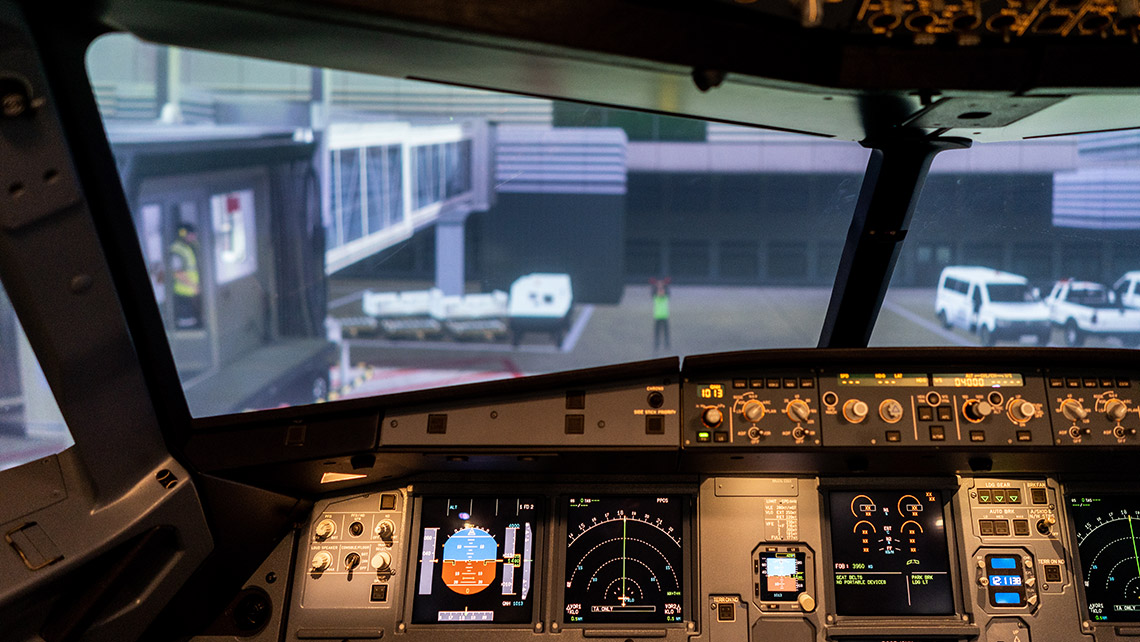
{"x":1115,"y":410}
{"x":1073,"y":410}
{"x":325,"y":528}
{"x":855,"y":410}
{"x":1021,"y":410}
{"x":321,"y":562}
{"x":891,"y":411}
{"x":381,"y":561}
{"x":798,"y":410}
{"x":385,"y":529}
{"x":712,"y":417}
{"x":976,"y":411}
{"x":351,"y":561}
{"x":753,"y":410}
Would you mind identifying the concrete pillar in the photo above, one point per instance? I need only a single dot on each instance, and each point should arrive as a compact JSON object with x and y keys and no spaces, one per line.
{"x":450,"y":237}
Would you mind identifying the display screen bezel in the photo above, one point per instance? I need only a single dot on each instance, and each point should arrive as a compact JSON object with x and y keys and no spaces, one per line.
{"x":949,"y":489}
{"x":541,"y":524}
{"x":1078,"y":564}
{"x":801,"y":561}
{"x":687,"y":498}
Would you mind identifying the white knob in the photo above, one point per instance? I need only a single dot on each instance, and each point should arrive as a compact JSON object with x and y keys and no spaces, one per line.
{"x":325,"y":528}
{"x":321,"y":561}
{"x":854,"y":410}
{"x":381,"y":561}
{"x":753,"y":410}
{"x":806,"y":601}
{"x":798,"y":410}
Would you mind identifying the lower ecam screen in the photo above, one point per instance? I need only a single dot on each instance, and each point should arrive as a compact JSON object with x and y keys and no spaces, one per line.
{"x":890,"y":553}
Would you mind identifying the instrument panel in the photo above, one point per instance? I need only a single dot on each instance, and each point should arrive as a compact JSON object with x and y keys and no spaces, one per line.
{"x":855,"y":500}
{"x":732,"y":558}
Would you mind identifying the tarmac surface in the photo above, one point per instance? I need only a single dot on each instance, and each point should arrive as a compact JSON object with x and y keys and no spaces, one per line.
{"x":704,"y":319}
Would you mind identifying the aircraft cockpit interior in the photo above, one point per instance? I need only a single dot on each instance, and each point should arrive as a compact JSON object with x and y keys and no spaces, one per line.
{"x":608,"y":321}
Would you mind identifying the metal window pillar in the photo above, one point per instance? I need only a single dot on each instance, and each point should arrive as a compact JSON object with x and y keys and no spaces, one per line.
{"x":450,"y":239}
{"x":891,"y":186}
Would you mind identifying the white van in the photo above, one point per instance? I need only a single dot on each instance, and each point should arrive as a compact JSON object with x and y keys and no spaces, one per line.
{"x":995,"y":304}
{"x":1127,"y":289}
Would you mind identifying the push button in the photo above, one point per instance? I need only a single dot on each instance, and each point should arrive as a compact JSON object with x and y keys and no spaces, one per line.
{"x":937,"y":433}
{"x":1001,"y":527}
{"x":894,"y":436}
{"x":985,"y":527}
{"x":1021,"y":527}
{"x":1038,"y":496}
{"x":925,"y":413}
{"x":977,"y":435}
{"x":720,"y":436}
{"x":1052,"y":573}
{"x":945,"y":414}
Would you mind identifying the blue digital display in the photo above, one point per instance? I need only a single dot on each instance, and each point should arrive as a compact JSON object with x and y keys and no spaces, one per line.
{"x":1003,"y":562}
{"x":1007,"y":598}
{"x":1005,"y":580}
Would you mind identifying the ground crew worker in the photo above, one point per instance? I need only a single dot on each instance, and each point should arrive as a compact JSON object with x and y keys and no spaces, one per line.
{"x":660,"y":312}
{"x":187,"y":286}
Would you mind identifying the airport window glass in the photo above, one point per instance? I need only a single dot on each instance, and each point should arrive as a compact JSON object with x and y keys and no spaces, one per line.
{"x":31,"y":426}
{"x":1020,"y":219}
{"x":410,"y":235}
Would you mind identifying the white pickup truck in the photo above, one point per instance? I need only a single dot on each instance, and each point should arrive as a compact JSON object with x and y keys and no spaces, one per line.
{"x":1084,"y":308}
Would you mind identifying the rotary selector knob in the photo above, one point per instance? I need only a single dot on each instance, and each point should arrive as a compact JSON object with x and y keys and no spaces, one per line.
{"x":325,"y":529}
{"x":1021,"y":410}
{"x":891,"y":411}
{"x":1073,"y":410}
{"x":806,"y":602}
{"x":798,"y":433}
{"x":753,"y":410}
{"x":321,"y":562}
{"x":712,"y":417}
{"x":855,"y":410}
{"x":976,"y":411}
{"x":385,"y":529}
{"x":382,"y":561}
{"x":1115,"y":409}
{"x":798,"y":410}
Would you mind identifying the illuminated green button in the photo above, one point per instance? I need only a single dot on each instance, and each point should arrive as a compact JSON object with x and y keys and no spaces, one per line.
{"x":704,"y":436}
{"x":984,"y":496}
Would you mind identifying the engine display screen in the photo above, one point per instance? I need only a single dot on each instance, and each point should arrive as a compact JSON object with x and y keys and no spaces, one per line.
{"x":624,"y":560}
{"x":890,"y":553}
{"x":781,"y":576}
{"x":1108,"y":538}
{"x":476,"y":560}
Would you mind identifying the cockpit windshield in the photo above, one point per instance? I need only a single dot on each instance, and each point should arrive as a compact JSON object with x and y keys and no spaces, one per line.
{"x":314,"y":235}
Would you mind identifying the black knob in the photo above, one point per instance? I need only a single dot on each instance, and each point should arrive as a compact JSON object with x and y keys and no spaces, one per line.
{"x":351,"y":561}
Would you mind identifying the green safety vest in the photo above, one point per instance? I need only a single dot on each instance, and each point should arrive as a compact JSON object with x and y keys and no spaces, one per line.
{"x":188,"y":285}
{"x":660,"y":307}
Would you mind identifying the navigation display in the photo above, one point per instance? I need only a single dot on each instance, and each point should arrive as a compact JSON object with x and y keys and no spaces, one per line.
{"x":624,"y":560}
{"x":476,"y":560}
{"x":1108,"y":538}
{"x":890,"y":553}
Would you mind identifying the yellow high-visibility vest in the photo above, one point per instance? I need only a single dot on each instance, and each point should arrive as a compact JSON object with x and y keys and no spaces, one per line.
{"x":187,"y":282}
